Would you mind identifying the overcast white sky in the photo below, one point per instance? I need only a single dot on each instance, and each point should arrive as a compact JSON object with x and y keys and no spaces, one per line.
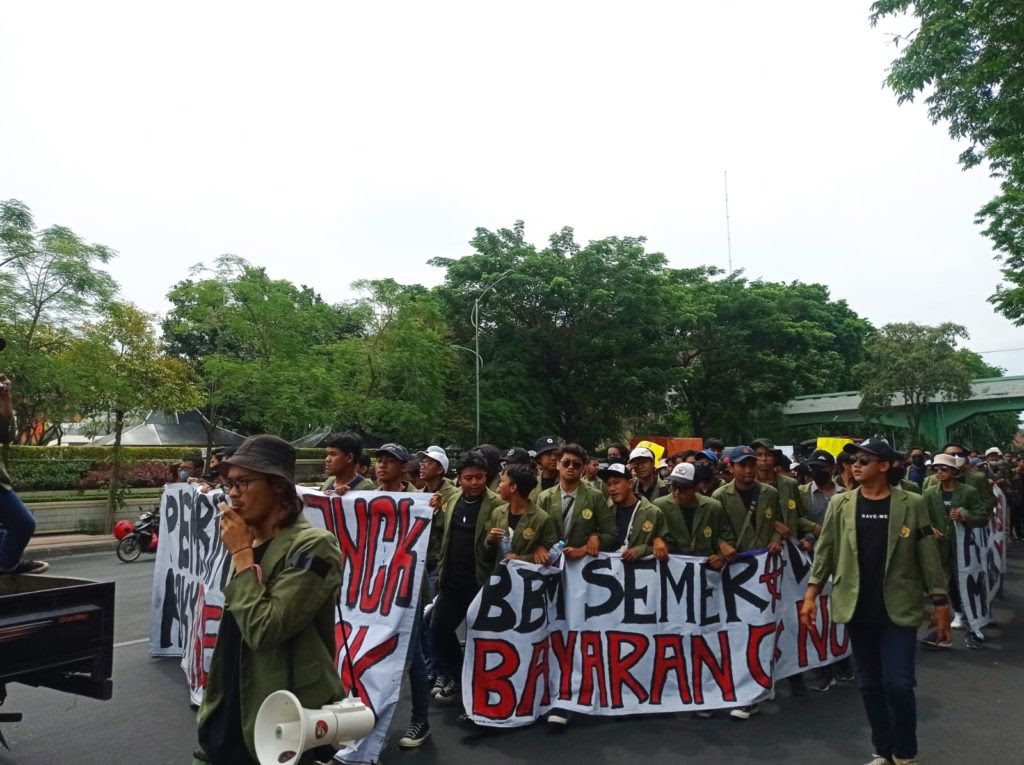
{"x":330,"y":141}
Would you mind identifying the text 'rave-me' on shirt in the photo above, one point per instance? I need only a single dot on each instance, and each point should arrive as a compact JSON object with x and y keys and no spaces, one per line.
{"x":872,"y":543}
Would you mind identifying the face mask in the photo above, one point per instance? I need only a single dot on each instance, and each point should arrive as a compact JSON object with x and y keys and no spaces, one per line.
{"x":918,"y":460}
{"x":184,"y":475}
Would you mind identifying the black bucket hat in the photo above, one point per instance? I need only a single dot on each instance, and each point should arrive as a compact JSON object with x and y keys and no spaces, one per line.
{"x":266,"y":454}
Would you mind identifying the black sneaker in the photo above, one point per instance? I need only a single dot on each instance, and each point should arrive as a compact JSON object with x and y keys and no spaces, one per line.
{"x":797,"y":686}
{"x":414,"y":735}
{"x":439,"y":683}
{"x":28,"y":567}
{"x":972,"y":642}
{"x":449,"y":694}
{"x":824,"y":684}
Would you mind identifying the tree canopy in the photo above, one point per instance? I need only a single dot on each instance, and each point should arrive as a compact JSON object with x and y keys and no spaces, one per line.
{"x":965,"y":58}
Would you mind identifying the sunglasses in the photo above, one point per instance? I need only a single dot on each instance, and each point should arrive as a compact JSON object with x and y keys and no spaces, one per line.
{"x":942,"y":468}
{"x":571,"y":464}
{"x":862,"y":460}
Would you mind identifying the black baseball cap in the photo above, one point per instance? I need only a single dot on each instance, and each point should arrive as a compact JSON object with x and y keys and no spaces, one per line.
{"x":820,"y":458}
{"x":545,"y":444}
{"x":517,"y":455}
{"x":877,"y":447}
{"x":397,"y":451}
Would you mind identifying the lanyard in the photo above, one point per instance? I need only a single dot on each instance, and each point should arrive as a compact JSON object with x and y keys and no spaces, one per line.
{"x":629,"y":528}
{"x":749,"y":513}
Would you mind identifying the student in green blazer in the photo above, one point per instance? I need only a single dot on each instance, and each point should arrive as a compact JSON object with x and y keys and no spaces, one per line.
{"x":752,"y":506}
{"x":581,"y":512}
{"x":951,"y":502}
{"x":464,"y":563}
{"x":694,"y":522}
{"x":969,"y":476}
{"x":878,"y":548}
{"x":277,"y":632}
{"x":639,"y":526}
{"x":532,"y":531}
{"x":791,"y":507}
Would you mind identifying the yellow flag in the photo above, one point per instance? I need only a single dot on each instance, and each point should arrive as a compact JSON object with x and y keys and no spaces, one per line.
{"x":833,"y":445}
{"x":657,"y":449}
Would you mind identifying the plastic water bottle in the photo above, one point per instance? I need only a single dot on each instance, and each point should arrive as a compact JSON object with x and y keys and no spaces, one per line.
{"x":556,"y":551}
{"x":505,"y":544}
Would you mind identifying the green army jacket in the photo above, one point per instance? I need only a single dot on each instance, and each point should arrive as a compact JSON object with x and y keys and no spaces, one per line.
{"x":646,"y":524}
{"x":749,"y":530}
{"x":706,"y":534}
{"x":912,"y":565}
{"x":591,"y":514}
{"x":483,"y":553}
{"x":535,"y":528}
{"x":539,"y":489}
{"x":908,"y":485}
{"x":287,"y":626}
{"x":793,"y":508}
{"x":363,"y":485}
{"x":964,"y":498}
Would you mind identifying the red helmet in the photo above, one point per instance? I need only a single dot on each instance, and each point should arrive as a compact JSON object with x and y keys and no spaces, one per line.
{"x":154,"y":542}
{"x":123,"y":529}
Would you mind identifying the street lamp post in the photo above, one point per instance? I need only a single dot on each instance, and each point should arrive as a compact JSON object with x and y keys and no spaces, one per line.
{"x":476,"y":326}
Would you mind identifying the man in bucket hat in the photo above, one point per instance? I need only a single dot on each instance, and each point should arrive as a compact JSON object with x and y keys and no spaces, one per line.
{"x":276,"y":557}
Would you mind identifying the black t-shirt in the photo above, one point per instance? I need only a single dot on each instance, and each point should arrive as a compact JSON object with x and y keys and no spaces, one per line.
{"x":513,"y":520}
{"x":947,"y":499}
{"x":747,"y":496}
{"x":460,"y":567}
{"x":221,"y":735}
{"x":689,"y":513}
{"x":547,"y":483}
{"x":623,"y":515}
{"x":872,"y":545}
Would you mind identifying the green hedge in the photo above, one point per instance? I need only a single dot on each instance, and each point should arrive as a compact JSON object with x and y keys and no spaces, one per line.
{"x":40,"y":475}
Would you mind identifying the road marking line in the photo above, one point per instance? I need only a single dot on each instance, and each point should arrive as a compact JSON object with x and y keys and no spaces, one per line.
{"x":131,"y":642}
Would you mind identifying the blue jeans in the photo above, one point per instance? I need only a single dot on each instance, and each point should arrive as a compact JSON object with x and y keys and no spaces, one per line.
{"x":885,"y":667}
{"x":416,"y":666}
{"x":16,"y":527}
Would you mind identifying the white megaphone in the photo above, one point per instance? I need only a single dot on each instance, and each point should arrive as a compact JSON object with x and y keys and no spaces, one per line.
{"x":285,"y":730}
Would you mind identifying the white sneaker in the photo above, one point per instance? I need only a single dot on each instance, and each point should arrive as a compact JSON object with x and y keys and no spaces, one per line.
{"x":901,"y":761}
{"x":878,"y":759}
{"x":959,"y":623}
{"x":743,"y":713}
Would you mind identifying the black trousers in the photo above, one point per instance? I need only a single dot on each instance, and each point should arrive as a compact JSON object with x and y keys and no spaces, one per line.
{"x":448,"y":613}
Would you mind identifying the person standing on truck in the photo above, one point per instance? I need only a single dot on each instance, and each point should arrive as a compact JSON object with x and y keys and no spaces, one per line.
{"x":16,"y":522}
{"x":278,"y":630}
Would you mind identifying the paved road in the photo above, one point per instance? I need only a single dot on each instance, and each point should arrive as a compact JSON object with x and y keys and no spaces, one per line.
{"x":968,"y":704}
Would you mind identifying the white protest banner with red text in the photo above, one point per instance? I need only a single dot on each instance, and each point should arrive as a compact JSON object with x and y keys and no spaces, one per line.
{"x":981,"y":563}
{"x":383,"y":539}
{"x":608,"y":637}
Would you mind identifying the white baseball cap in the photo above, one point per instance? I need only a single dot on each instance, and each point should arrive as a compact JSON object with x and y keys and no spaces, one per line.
{"x":682,"y":474}
{"x":641,"y":452}
{"x":437,"y":454}
{"x":993,"y":450}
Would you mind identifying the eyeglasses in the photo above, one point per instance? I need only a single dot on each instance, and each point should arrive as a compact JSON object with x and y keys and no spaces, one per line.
{"x":242,"y":484}
{"x":572,"y":464}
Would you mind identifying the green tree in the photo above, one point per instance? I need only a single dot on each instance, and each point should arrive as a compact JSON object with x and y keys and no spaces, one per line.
{"x":966,"y":57}
{"x":131,"y":376}
{"x":261,"y":348}
{"x":907,"y":364}
{"x":572,"y":339}
{"x":50,"y":279}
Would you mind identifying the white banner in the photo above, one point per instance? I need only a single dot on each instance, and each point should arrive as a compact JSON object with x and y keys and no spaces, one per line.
{"x":981,"y":563}
{"x":383,"y":539}
{"x":607,"y":637}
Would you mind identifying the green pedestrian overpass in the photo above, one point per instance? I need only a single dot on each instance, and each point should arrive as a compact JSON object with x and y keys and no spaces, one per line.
{"x":988,"y":395}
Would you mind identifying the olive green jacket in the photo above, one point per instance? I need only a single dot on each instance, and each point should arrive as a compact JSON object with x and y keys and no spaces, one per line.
{"x":484,"y":554}
{"x":749,"y":531}
{"x":964,"y":498}
{"x":977,"y":480}
{"x":538,"y":489}
{"x":535,"y":528}
{"x":591,"y":514}
{"x":793,"y":509}
{"x":365,"y":485}
{"x":706,"y":534}
{"x":659,"y":489}
{"x":647,"y":524}
{"x":908,"y":485}
{"x":287,"y":625}
{"x":912,"y":565}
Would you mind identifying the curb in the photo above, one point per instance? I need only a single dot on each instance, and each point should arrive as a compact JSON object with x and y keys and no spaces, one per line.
{"x":46,"y":552}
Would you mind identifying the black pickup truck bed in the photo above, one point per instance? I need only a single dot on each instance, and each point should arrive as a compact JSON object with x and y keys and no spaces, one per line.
{"x":58,"y":633}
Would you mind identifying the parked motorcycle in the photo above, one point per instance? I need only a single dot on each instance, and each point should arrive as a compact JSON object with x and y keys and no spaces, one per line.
{"x":137,"y":538}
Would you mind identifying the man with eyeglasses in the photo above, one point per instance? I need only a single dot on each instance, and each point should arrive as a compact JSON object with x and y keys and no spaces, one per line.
{"x":752,"y":508}
{"x":951,"y":502}
{"x":586,"y":522}
{"x":971,"y":477}
{"x":878,"y":547}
